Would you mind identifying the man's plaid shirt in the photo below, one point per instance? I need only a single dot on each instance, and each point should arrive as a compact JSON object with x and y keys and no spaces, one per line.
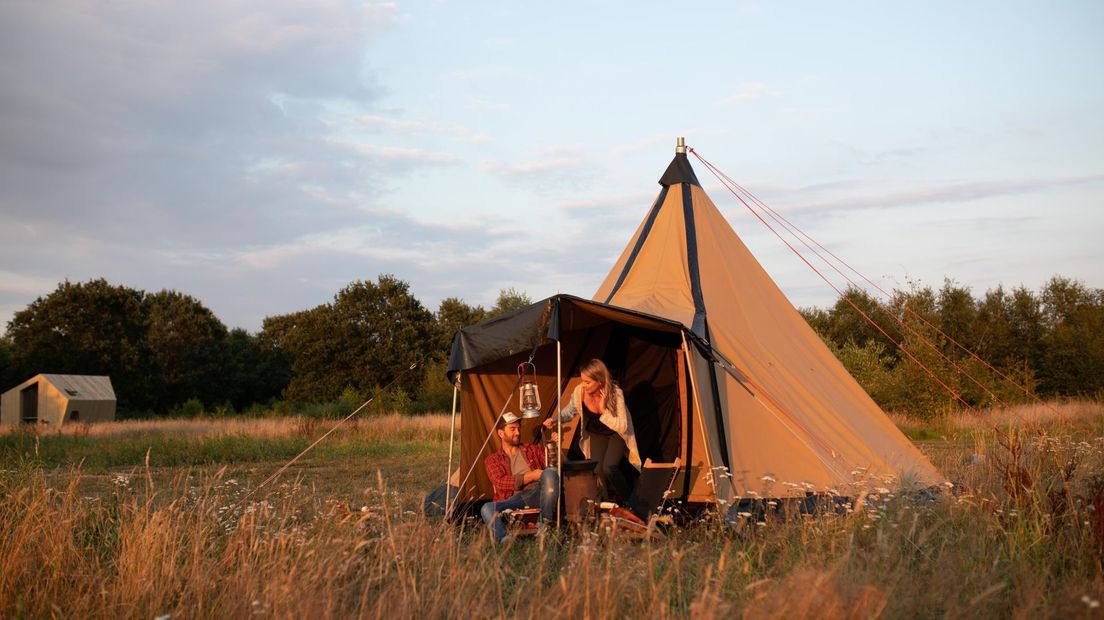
{"x":498,"y":469}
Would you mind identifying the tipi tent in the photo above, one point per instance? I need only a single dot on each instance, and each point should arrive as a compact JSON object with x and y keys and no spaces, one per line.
{"x":743,"y":391}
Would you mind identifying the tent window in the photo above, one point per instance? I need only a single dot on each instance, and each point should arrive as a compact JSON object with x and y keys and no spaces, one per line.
{"x":72,"y":392}
{"x":74,"y":416}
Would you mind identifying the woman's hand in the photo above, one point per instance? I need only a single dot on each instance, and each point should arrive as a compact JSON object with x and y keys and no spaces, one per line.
{"x":550,"y":422}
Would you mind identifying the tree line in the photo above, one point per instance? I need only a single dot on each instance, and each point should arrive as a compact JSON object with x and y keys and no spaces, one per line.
{"x":918,"y":360}
{"x":167,"y":352}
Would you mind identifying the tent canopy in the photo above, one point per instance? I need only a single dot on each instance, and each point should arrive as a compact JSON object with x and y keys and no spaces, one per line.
{"x":562,"y":333}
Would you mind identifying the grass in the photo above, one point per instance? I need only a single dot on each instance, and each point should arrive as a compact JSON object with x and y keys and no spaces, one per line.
{"x":176,"y":443}
{"x":342,"y":536}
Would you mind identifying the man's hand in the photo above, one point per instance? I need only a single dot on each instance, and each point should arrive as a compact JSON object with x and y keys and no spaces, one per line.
{"x":531,"y":476}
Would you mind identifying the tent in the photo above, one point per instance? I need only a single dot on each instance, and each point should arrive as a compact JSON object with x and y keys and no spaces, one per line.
{"x":59,"y":399}
{"x":719,"y":370}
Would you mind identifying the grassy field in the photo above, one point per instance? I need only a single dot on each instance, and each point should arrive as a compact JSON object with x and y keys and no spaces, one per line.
{"x":147,"y":519}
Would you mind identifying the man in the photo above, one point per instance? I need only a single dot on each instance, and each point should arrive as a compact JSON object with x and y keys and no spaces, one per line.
{"x":520,"y":479}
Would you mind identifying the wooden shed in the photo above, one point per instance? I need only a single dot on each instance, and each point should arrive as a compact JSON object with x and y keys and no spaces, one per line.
{"x":59,"y":399}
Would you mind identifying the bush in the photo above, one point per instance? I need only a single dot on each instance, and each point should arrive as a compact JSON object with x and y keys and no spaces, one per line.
{"x":191,"y":408}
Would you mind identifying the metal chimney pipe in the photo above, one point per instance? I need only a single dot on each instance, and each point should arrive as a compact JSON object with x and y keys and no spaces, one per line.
{"x":680,"y":146}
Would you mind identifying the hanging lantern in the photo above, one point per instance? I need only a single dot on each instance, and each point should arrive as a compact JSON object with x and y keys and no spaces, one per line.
{"x":528,"y":394}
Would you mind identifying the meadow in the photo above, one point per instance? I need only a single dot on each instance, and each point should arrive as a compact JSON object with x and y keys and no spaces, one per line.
{"x":162,"y":519}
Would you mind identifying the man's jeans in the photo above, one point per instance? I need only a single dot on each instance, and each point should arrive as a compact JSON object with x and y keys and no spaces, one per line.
{"x":546,"y":493}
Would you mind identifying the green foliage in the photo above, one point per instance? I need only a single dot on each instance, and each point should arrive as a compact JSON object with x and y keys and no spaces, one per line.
{"x":89,"y":328}
{"x":189,"y":347}
{"x":367,"y":337}
{"x":191,"y":408}
{"x":174,"y":450}
{"x":509,"y":299}
{"x":453,"y":315}
{"x":8,"y":374}
{"x":436,"y":393}
{"x":259,"y":370}
{"x":161,"y":350}
{"x":1073,"y":357}
{"x":1052,"y":343}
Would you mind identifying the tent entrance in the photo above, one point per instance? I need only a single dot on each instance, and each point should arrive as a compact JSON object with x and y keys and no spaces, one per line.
{"x":653,"y":372}
{"x":645,"y":355}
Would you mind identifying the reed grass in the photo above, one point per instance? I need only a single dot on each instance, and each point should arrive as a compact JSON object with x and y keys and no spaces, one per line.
{"x":1022,"y":535}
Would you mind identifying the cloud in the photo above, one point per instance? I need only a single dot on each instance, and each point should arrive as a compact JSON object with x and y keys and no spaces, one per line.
{"x":144,"y":140}
{"x":751,"y":93}
{"x":392,"y":154}
{"x":479,"y":74}
{"x":23,"y":284}
{"x":536,"y":168}
{"x":417,"y":128}
{"x":483,"y":105}
{"x":555,"y":172}
{"x":156,"y":115}
{"x":957,"y":192}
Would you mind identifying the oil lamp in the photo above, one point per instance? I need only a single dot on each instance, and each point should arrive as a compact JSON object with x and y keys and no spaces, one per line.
{"x":528,"y":394}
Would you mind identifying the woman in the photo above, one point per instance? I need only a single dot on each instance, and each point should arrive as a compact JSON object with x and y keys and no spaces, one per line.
{"x":606,"y":430}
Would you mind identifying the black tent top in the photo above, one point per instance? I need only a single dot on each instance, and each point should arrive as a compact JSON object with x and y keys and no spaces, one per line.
{"x":679,"y":171}
{"x":527,"y":328}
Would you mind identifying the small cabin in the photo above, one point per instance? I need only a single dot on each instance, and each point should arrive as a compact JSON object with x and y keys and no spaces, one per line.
{"x":59,"y":399}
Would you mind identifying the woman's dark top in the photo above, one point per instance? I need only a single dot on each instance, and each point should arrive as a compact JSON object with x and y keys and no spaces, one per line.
{"x":593,"y":424}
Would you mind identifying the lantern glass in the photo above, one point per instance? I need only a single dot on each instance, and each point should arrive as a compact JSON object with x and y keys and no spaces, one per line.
{"x":529,"y":397}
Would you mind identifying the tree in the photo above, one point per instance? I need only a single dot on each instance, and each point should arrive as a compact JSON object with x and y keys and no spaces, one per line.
{"x":188,"y":343}
{"x":1073,"y":344}
{"x":957,"y":317}
{"x":452,"y":316}
{"x":8,"y":378}
{"x":509,"y":299}
{"x":386,"y":329}
{"x":846,"y":324}
{"x":819,"y":320}
{"x":90,"y":328}
{"x":257,"y":373}
{"x":308,"y":341}
{"x":364,"y":340}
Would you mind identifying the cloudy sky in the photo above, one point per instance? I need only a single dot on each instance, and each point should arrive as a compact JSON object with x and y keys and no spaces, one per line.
{"x":262,"y":155}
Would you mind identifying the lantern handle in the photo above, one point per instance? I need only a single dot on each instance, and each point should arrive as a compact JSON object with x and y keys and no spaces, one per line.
{"x":522,"y":366}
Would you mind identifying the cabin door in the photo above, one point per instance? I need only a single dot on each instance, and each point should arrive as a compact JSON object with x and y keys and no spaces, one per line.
{"x":28,"y":404}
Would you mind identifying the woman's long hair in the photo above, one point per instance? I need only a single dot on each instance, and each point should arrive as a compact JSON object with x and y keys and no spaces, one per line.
{"x":596,"y":369}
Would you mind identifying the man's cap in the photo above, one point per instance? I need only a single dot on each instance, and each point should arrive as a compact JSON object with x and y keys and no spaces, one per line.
{"x":508,"y":418}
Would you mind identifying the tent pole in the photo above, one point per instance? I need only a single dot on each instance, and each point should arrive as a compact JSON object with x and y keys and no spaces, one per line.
{"x":559,"y":427}
{"x":452,"y":440}
{"x":701,"y":416}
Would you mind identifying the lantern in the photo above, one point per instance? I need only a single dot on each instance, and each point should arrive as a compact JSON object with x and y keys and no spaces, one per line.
{"x":528,"y":394}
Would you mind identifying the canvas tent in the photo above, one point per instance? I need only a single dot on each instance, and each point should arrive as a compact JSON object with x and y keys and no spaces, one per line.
{"x":59,"y":399}
{"x":719,"y":369}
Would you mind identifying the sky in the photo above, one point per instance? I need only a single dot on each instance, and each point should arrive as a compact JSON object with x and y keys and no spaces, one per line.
{"x":262,"y":155}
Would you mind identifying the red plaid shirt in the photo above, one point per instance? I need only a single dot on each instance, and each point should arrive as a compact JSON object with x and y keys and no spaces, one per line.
{"x":498,"y":469}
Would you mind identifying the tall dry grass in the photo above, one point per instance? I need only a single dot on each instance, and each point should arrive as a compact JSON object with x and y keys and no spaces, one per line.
{"x":1022,"y":536}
